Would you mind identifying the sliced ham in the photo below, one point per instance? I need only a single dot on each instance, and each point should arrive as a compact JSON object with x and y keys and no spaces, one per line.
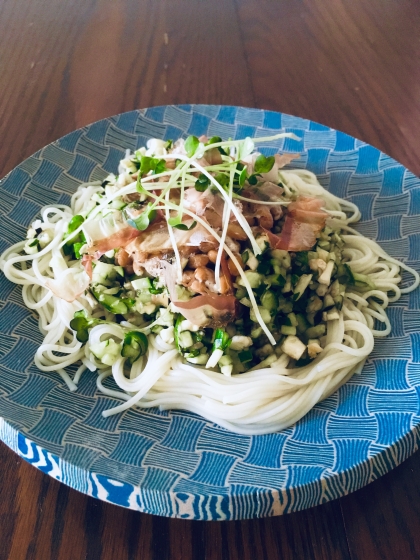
{"x":87,"y":264}
{"x":210,"y":310}
{"x":304,"y":220}
{"x":115,"y":241}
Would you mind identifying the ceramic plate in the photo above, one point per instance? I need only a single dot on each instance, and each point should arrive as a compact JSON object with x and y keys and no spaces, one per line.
{"x":175,"y":463}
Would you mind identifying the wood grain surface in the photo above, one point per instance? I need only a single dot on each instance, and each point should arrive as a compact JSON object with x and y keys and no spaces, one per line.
{"x":351,"y":64}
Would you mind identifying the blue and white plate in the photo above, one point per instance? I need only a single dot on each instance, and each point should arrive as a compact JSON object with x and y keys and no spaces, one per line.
{"x":175,"y":463}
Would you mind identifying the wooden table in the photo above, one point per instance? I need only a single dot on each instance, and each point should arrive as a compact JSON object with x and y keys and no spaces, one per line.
{"x":351,"y":64}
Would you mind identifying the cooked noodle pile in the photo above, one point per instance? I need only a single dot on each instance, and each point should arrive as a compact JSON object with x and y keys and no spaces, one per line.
{"x":258,"y":401}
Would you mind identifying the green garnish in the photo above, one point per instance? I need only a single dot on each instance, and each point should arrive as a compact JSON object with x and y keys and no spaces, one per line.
{"x":142,"y":222}
{"x":81,"y":323}
{"x":135,"y":345}
{"x":263,"y":164}
{"x":191,"y":145}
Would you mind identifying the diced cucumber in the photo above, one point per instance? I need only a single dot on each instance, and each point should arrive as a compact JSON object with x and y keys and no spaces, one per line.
{"x":200,"y":360}
{"x":144,"y":297}
{"x":293,"y":319}
{"x":225,"y":361}
{"x":102,"y":272}
{"x":268,"y":361}
{"x":141,"y":284}
{"x":302,"y":284}
{"x":245,"y":356}
{"x":256,"y":332}
{"x":277,"y":269}
{"x":285,"y":305}
{"x":275,"y":280}
{"x":112,"y":303}
{"x":253,"y":278}
{"x":185,"y":339}
{"x":269,"y":300}
{"x":282,"y":256}
{"x":338,"y":300}
{"x":302,"y":323}
{"x":314,"y":304}
{"x":284,"y":329}
{"x":107,"y":351}
{"x":328,"y":302}
{"x":315,"y":332}
{"x":241,"y":292}
{"x":288,"y":285}
{"x":183,"y":294}
{"x":265,"y":314}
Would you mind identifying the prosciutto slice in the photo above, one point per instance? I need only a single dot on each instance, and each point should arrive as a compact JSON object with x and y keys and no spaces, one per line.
{"x":304,"y":220}
{"x":210,"y":310}
{"x":115,"y":241}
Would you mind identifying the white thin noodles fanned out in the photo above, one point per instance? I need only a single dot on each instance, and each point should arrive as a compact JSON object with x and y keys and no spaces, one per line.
{"x":259,"y":401}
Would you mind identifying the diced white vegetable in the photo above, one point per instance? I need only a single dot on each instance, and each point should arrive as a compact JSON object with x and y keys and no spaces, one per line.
{"x":167,"y":335}
{"x":323,"y":254}
{"x":262,"y":242}
{"x":214,"y":358}
{"x":185,"y":339}
{"x":147,"y":308}
{"x":240,"y":342}
{"x":252,"y":261}
{"x":314,"y":348}
{"x":317,"y":265}
{"x":333,"y":316}
{"x":227,"y":370}
{"x":188,"y":326}
{"x":322,"y":290}
{"x":30,"y":247}
{"x":325,"y":277}
{"x":156,"y":147}
{"x":293,"y":347}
